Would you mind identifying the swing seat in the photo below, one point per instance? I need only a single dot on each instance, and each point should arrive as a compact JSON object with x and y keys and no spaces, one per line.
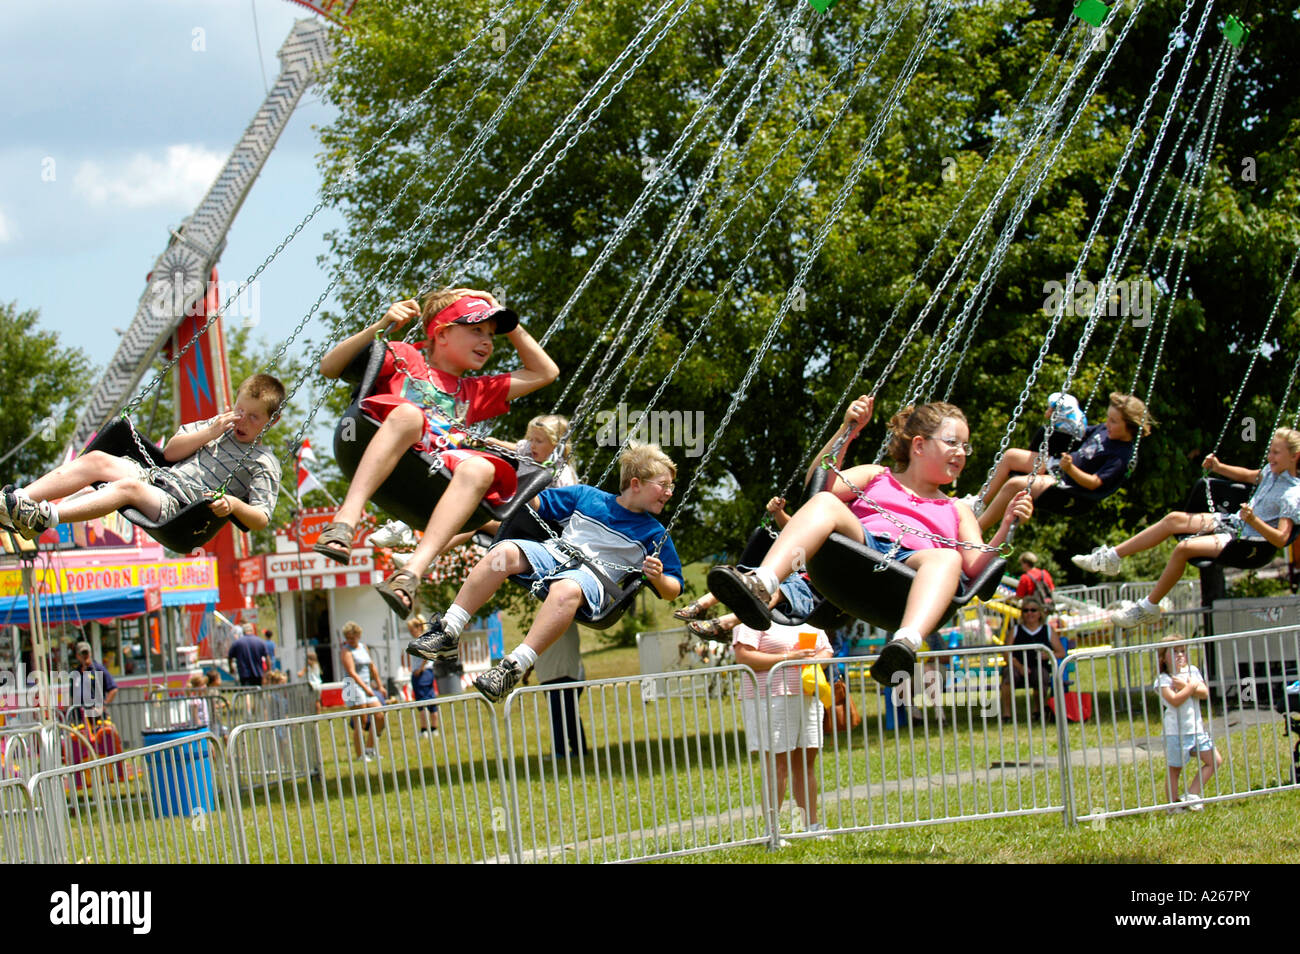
{"x":189,"y":529}
{"x":526,"y":524}
{"x":1241,"y":553}
{"x":825,"y":615}
{"x":845,"y":572}
{"x":1071,"y":500}
{"x":417,"y":483}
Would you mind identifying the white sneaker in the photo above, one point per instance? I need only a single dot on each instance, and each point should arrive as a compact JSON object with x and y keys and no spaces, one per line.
{"x":1101,"y":560}
{"x":1134,"y":614}
{"x":1193,"y":802}
{"x":394,"y":535}
{"x":974,"y":502}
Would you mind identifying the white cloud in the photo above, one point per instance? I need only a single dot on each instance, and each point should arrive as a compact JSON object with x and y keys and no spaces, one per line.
{"x":7,"y":232}
{"x":180,"y":178}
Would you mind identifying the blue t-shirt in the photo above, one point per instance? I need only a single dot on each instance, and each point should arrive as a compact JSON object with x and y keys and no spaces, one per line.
{"x":90,"y":687}
{"x":247,"y":652}
{"x":1102,"y":457}
{"x":598,"y":525}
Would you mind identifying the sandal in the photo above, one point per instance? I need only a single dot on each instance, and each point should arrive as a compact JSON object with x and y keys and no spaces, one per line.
{"x":692,"y":611}
{"x":335,"y":542}
{"x":709,"y":628}
{"x":398,"y":592}
{"x":743,"y":594}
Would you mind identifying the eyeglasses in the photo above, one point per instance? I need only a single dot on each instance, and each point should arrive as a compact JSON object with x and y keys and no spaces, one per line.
{"x":667,"y":488}
{"x":952,"y":442}
{"x":1028,"y":609}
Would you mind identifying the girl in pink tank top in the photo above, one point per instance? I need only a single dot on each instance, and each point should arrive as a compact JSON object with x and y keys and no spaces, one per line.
{"x":929,"y":446}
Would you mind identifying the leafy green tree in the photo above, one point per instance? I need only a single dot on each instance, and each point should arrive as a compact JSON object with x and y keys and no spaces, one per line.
{"x":940,"y":133}
{"x":42,"y":381}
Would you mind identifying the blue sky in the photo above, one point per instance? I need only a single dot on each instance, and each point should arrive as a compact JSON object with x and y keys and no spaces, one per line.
{"x":134,"y":124}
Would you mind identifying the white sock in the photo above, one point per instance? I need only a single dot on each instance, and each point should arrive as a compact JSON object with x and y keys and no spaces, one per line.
{"x":909,"y":635}
{"x":54,"y":516}
{"x":1146,"y":604}
{"x":768,"y":579}
{"x":524,"y":655}
{"x":454,"y":620}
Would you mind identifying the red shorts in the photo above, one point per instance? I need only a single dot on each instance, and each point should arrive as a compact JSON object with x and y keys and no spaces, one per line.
{"x":504,"y":482}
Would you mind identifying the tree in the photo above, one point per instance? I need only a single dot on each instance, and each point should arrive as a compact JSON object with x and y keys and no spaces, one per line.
{"x":42,"y":381}
{"x":948,"y":120}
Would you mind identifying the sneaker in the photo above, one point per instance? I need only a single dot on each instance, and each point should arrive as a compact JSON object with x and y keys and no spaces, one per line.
{"x":1193,"y":802}
{"x":974,"y":502}
{"x":394,"y":535}
{"x":434,"y":644}
{"x":496,"y":683}
{"x":1101,"y":560}
{"x":897,"y":659}
{"x":742,"y":593}
{"x":29,"y":518}
{"x":1134,"y":614}
{"x":5,"y":522}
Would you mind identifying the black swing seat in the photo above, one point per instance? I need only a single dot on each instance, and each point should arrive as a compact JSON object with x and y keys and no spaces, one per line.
{"x":193,"y":526}
{"x":825,"y":615}
{"x":1227,"y":496}
{"x":1066,"y":500}
{"x":527,"y":524}
{"x":845,"y":572}
{"x":416,"y":484}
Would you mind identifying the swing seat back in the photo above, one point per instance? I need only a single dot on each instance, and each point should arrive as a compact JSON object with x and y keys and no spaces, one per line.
{"x":526,"y":524}
{"x":1070,"y":500}
{"x":1227,"y":496}
{"x":418,"y":481}
{"x":189,"y":529}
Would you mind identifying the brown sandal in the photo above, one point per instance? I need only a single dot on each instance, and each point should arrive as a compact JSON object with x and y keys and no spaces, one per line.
{"x":398,"y":592}
{"x":709,"y":628}
{"x":692,"y":611}
{"x":335,"y":542}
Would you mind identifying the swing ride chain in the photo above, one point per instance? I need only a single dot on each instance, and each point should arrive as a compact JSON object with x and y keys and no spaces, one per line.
{"x":665,"y":170}
{"x":559,"y":130}
{"x":1204,"y":149}
{"x":326,"y":198}
{"x":703,"y":323}
{"x":910,"y":66}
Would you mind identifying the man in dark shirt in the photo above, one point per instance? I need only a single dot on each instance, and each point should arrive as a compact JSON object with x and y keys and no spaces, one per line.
{"x":247,"y":657}
{"x":92,"y":686}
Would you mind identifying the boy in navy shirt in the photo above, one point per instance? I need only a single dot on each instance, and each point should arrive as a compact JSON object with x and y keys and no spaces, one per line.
{"x":620,"y":531}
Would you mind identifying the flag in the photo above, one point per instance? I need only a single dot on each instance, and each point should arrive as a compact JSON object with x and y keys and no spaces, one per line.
{"x":306,"y":481}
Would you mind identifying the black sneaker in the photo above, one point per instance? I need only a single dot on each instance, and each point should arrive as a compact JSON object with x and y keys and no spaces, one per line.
{"x":496,"y":683}
{"x":742,"y":593}
{"x":434,"y":644}
{"x":6,"y":523}
{"x":897,"y":661}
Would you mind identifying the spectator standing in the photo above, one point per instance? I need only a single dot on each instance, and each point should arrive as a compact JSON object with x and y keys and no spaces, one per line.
{"x":248,"y":657}
{"x":563,"y":664}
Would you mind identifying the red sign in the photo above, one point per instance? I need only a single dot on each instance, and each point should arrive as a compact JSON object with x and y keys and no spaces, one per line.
{"x":250,"y":570}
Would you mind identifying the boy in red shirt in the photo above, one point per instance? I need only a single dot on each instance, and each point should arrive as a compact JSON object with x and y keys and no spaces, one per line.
{"x":413,"y":387}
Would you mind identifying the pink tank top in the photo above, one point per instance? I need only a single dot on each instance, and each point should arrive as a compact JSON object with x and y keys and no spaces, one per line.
{"x":934,"y":515}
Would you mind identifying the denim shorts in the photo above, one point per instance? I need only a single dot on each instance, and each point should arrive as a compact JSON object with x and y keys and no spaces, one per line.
{"x":796,"y":595}
{"x":544,"y":563}
{"x":1177,"y":747}
{"x":882,"y":544}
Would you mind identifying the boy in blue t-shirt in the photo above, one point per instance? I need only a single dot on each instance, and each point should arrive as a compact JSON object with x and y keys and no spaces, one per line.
{"x":616,"y":532}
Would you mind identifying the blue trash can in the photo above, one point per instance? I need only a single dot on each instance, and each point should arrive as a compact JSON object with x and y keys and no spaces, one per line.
{"x":180,"y":778}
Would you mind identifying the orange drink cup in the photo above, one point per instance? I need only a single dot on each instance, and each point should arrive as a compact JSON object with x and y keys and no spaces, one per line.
{"x":807,"y":640}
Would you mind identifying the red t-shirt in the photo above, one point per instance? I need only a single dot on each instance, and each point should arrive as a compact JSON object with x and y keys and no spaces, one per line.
{"x":469,"y":399}
{"x":1026,"y":585}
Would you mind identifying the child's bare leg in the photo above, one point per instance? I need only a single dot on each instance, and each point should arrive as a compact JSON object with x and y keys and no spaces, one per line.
{"x":1164,"y":528}
{"x":490,"y":528}
{"x":803,"y":783}
{"x":121,"y":493}
{"x":469,"y":484}
{"x":488,"y":574}
{"x":992,"y":514}
{"x":807,"y":530}
{"x":1209,"y":762}
{"x":938,"y":573}
{"x":78,"y":474}
{"x":1017,"y":460}
{"x":401,"y":431}
{"x":1192,"y":549}
{"x":563,"y":600}
{"x":1171,"y":785}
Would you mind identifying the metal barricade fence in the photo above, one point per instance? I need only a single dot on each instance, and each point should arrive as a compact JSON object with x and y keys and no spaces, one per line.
{"x":933,"y":750}
{"x":1186,"y":594}
{"x":1120,"y":755}
{"x":632,"y":772}
{"x":435,"y":797}
{"x":18,"y":843}
{"x":163,"y":803}
{"x":20,"y":747}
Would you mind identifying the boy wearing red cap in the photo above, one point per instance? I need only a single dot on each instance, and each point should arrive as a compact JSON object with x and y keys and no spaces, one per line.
{"x":460,"y":323}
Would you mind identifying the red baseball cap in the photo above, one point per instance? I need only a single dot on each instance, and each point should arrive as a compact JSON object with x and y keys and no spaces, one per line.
{"x":470,"y":311}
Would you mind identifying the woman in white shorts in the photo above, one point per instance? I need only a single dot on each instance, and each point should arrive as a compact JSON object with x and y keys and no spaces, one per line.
{"x":360,"y":689}
{"x":793,"y":729}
